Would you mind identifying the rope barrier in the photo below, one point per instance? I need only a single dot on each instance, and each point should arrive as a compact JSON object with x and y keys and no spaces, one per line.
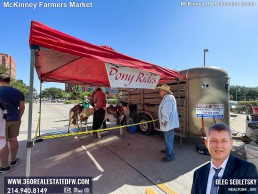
{"x":93,"y":131}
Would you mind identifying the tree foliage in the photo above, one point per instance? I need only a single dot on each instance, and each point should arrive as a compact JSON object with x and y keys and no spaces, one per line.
{"x":242,"y":93}
{"x":85,"y":94}
{"x":3,"y":69}
{"x":53,"y":93}
{"x":76,"y":91}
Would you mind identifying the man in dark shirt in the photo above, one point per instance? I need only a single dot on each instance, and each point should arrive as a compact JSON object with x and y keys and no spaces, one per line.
{"x":13,"y":100}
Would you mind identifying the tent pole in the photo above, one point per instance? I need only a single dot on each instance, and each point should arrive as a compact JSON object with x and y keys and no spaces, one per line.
{"x":38,"y":138}
{"x":29,"y":140}
{"x":40,"y":106}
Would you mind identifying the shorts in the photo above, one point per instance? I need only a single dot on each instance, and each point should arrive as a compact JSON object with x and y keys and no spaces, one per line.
{"x":12,"y":129}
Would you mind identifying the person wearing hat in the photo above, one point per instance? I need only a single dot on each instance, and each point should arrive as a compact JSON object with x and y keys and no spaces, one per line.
{"x":13,"y":100}
{"x":168,"y":120}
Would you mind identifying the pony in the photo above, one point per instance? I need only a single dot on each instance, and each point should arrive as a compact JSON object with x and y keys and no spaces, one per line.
{"x":78,"y":114}
{"x":116,"y":114}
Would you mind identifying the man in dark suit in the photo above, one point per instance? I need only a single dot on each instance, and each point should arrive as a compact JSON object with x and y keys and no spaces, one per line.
{"x":223,"y":164}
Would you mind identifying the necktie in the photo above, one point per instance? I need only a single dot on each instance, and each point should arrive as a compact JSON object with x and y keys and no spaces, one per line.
{"x":214,"y":188}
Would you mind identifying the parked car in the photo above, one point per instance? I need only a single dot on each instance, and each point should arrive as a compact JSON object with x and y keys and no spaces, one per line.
{"x":233,"y":104}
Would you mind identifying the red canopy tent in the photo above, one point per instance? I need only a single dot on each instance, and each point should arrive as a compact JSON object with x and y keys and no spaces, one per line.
{"x":63,"y":58}
{"x":59,"y":57}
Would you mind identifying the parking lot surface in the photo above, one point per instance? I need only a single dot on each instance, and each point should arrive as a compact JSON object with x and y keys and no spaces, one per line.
{"x":118,"y":164}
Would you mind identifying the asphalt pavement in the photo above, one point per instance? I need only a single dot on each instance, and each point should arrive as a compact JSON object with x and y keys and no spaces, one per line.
{"x":118,"y":164}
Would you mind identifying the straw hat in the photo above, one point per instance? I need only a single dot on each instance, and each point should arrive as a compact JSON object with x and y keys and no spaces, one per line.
{"x":165,"y":88}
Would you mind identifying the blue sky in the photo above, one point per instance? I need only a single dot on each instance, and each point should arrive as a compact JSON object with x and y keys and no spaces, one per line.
{"x":161,"y":32}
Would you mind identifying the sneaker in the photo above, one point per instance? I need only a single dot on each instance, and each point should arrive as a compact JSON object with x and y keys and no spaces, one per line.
{"x":163,"y":151}
{"x":5,"y":170}
{"x":15,"y":162}
{"x":165,"y":160}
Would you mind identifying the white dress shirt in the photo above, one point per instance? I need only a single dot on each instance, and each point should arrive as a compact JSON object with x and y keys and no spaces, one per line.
{"x":168,"y":113}
{"x":212,"y":173}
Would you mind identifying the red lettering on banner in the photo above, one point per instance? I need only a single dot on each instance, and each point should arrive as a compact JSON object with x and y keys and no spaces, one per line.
{"x":131,"y":78}
{"x":113,"y":71}
{"x":142,"y":78}
{"x":121,"y":76}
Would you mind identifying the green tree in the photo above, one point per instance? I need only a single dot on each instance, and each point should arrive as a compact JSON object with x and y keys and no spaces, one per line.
{"x":76,"y":91}
{"x":52,"y":93}
{"x":63,"y":94}
{"x":3,"y":69}
{"x":242,"y":93}
{"x":82,"y":94}
{"x":69,"y":95}
{"x":251,"y":94}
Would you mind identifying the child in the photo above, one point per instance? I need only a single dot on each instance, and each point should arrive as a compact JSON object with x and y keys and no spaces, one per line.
{"x":85,"y":102}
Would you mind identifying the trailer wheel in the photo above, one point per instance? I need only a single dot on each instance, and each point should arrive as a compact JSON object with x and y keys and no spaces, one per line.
{"x":145,"y":128}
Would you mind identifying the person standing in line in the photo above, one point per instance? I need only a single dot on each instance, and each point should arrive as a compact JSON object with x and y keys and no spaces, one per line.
{"x":99,"y":113}
{"x":168,"y":120}
{"x":14,"y":102}
{"x":219,"y":142}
